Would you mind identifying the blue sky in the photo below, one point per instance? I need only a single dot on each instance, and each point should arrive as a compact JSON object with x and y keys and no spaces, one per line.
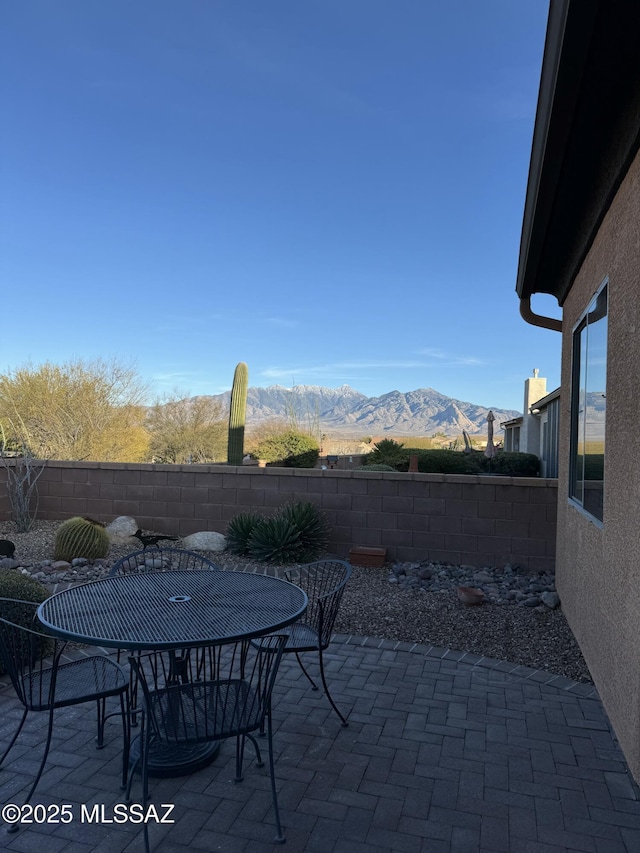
{"x":329,"y":190}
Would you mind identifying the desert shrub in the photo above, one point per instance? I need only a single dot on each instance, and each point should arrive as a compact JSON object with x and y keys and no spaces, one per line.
{"x":389,"y":452}
{"x":276,"y":540}
{"x":511,"y":464}
{"x":447,"y":462}
{"x":312,"y":526}
{"x":239,"y":532}
{"x":395,"y":457}
{"x":298,"y":532}
{"x":458,"y":462}
{"x":81,"y":537}
{"x":290,"y":449}
{"x":23,"y":588}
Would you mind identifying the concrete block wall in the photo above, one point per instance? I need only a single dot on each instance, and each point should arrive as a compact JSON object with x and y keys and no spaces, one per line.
{"x":478,"y":520}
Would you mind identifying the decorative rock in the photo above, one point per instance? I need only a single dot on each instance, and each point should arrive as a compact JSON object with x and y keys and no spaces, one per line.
{"x":509,"y":585}
{"x":205,"y":541}
{"x":470,"y":595}
{"x":9,"y":563}
{"x":61,"y":566}
{"x":482,"y":577}
{"x":79,"y":561}
{"x":122,"y":527}
{"x":551,"y":599}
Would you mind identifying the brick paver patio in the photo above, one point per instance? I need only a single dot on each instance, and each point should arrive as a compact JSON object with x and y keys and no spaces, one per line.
{"x":444,"y":752}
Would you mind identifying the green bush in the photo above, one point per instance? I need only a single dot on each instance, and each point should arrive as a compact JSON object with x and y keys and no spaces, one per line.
{"x":24,"y":588}
{"x":239,"y":532}
{"x":452,"y":461}
{"x":276,"y":540}
{"x":312,"y":526}
{"x":389,"y":452}
{"x":298,"y":532}
{"x":289,"y":449}
{"x":447,"y":462}
{"x":511,"y":464}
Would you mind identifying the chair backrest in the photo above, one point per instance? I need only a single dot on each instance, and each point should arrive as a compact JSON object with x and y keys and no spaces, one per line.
{"x":162,"y":560}
{"x":324,"y":583}
{"x":26,"y":653}
{"x":211,"y":692}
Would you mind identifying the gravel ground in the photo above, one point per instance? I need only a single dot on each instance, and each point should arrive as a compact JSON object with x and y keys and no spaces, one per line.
{"x":372,"y":607}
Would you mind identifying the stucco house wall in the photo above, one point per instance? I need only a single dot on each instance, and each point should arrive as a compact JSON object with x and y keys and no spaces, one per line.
{"x":597,"y":565}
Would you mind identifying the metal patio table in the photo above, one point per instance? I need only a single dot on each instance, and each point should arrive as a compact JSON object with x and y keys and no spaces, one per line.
{"x":156,"y":611}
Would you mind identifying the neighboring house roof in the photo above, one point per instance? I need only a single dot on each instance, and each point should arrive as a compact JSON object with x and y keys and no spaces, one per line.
{"x":534,"y":408}
{"x":586,"y":134}
{"x":543,"y":402}
{"x":512,"y":423}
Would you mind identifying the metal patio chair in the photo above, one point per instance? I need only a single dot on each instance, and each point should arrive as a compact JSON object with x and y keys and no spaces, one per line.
{"x":157,"y":560}
{"x":162,"y":560}
{"x":222,"y":691}
{"x":324,"y":582}
{"x":32,"y":659}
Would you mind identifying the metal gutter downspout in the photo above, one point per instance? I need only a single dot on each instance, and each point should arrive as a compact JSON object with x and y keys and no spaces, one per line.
{"x":537,"y":319}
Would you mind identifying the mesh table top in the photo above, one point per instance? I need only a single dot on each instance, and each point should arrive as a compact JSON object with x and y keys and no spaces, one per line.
{"x":164,"y":610}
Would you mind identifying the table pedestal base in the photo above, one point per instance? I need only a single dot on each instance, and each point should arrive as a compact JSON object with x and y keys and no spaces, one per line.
{"x":167,"y":761}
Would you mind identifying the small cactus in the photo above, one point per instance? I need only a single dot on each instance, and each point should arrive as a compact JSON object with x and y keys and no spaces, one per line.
{"x":237,"y":414}
{"x":81,"y":537}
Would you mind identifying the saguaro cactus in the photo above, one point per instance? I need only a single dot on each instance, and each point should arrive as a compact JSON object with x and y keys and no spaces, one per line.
{"x":237,"y":414}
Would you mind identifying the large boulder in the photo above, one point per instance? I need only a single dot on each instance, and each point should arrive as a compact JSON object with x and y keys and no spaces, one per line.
{"x":121,"y":528}
{"x":204,"y":541}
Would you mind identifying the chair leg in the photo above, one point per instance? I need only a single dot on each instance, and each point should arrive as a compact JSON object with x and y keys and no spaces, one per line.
{"x":280,"y":838}
{"x":314,"y":686}
{"x":14,"y":827}
{"x":126,"y":735}
{"x":139,"y":760}
{"x":144,"y":746}
{"x":343,"y":721}
{"x":133,"y":689}
{"x":102,"y":706}
{"x":239,"y":757}
{"x":15,"y":737}
{"x":259,"y":761}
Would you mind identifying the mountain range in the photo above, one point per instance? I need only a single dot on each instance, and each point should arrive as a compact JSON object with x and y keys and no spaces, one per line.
{"x":346,"y":412}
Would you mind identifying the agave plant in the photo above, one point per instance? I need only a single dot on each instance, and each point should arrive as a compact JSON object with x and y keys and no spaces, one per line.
{"x":239,"y":531}
{"x":275,"y":540}
{"x":312,"y":526}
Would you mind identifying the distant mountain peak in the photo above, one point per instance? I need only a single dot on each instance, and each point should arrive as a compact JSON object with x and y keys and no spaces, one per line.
{"x":348,"y":412}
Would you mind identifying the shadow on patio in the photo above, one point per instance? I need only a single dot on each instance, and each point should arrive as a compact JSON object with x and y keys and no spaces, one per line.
{"x":444,"y":752}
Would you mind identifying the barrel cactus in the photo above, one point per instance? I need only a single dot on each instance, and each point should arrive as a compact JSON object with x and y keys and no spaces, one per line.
{"x":81,"y":537}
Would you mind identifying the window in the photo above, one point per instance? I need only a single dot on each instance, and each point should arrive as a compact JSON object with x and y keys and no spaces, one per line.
{"x":588,"y":407}
{"x":550,"y":429}
{"x":512,"y":439}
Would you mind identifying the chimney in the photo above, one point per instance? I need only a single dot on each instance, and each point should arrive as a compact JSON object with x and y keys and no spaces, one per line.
{"x":534,"y":389}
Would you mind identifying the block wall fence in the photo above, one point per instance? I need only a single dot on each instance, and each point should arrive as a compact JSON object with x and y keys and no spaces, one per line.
{"x":477,"y":520}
